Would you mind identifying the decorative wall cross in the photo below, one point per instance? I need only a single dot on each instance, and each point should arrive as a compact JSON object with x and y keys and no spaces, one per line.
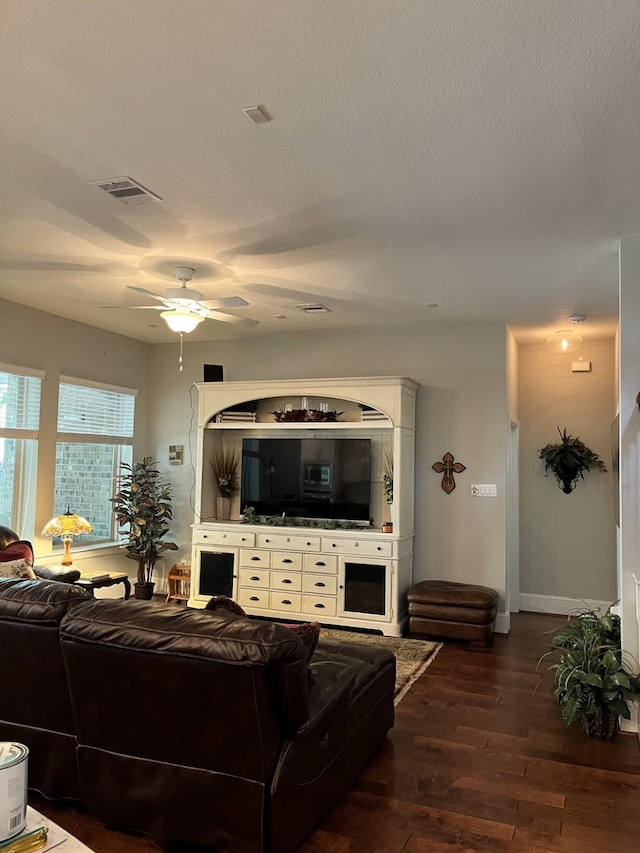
{"x":447,"y":467}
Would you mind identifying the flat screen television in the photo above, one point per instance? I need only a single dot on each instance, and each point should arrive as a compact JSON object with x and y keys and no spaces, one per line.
{"x":319,"y":478}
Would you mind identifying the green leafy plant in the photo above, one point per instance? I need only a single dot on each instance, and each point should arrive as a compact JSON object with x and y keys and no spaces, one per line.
{"x":592,"y":682}
{"x":143,"y":505}
{"x":387,"y":475}
{"x":568,"y":459}
{"x":225,"y":462}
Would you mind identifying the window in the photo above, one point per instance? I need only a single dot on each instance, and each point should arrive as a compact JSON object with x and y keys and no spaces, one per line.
{"x":19,"y":424}
{"x":95,"y":429}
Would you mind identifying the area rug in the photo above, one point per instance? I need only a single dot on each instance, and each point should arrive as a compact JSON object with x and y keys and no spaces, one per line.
{"x":412,"y":656}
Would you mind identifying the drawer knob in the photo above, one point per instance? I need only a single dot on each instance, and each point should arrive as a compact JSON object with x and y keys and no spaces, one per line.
{"x":378,"y":548}
{"x":319,"y":606}
{"x":319,"y":583}
{"x":356,"y":544}
{"x":205,"y":536}
{"x":333,"y":544}
{"x":287,"y":561}
{"x":267,"y":540}
{"x":288,"y":539}
{"x":254,"y":578}
{"x":320,"y":563}
{"x":243,"y":539}
{"x":224,"y":535}
{"x":308,"y":544}
{"x":286,"y":580}
{"x":255,"y":558}
{"x":285,"y":601}
{"x":253,"y":598}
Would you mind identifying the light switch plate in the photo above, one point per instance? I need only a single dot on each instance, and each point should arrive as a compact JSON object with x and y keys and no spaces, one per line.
{"x":484,"y":490}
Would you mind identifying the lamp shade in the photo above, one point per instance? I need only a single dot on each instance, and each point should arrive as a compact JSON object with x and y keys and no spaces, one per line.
{"x":181,"y":320}
{"x":67,"y":526}
{"x":69,"y":523}
{"x":564,"y":340}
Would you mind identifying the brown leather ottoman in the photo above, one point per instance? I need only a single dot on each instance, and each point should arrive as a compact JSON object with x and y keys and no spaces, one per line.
{"x":459,"y":611}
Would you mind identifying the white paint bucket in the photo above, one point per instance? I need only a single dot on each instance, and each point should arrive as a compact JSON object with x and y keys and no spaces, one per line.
{"x":13,"y":788}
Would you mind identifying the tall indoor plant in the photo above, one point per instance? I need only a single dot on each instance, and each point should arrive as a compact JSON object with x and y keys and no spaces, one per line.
{"x":143,"y":505}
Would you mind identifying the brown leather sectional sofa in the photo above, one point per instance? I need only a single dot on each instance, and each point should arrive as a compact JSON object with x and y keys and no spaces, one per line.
{"x":205,"y":730}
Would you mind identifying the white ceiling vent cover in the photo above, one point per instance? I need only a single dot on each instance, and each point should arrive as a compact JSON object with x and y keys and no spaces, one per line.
{"x":314,"y":308}
{"x":126,"y":190}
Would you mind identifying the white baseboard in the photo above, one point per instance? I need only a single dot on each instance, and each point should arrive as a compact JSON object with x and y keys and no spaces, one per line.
{"x":559,"y":605}
{"x":503,"y":623}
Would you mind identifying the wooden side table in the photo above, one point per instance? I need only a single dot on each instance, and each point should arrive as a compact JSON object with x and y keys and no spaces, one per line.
{"x":179,"y":583}
{"x":95,"y":580}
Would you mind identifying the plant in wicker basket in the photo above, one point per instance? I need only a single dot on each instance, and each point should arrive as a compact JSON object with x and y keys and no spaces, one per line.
{"x":592,"y":682}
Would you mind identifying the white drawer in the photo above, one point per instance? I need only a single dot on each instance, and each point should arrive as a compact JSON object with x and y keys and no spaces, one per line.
{"x":254,"y":558}
{"x":320,"y":563}
{"x":225,"y":537}
{"x":284,"y":601}
{"x":288,"y":543}
{"x":286,"y":581}
{"x":288,"y":560}
{"x":254,"y":598}
{"x":255,"y":577}
{"x":362,"y":547}
{"x":317,"y":606}
{"x":320,"y":584}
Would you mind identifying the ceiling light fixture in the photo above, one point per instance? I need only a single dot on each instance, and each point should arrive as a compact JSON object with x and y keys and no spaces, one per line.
{"x":181,"y":320}
{"x":564,"y":340}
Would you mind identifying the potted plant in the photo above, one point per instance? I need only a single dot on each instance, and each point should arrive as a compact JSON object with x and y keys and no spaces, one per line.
{"x":592,"y":682}
{"x":225,"y":462}
{"x":568,"y":459}
{"x":143,"y":504}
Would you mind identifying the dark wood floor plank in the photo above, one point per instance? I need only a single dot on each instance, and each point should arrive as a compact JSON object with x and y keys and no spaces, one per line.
{"x":478,"y":761}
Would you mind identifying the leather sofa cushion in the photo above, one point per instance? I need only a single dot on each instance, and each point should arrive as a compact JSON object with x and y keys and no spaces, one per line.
{"x":453,"y":593}
{"x":44,"y":602}
{"x":445,"y":613}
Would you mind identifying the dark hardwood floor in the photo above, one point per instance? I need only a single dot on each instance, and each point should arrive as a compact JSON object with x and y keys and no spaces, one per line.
{"x":478,"y":761}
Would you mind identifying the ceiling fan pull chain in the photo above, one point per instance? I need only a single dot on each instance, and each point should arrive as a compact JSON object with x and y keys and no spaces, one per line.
{"x":180,"y":359}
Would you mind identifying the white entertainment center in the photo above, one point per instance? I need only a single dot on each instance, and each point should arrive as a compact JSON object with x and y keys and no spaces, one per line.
{"x":356,"y":577}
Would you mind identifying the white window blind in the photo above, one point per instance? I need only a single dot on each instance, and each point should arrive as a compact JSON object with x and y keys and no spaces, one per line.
{"x":19,"y":424}
{"x":86,"y":410}
{"x":19,"y":402}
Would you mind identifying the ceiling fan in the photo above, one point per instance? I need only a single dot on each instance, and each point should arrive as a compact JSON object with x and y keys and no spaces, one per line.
{"x":183,"y":308}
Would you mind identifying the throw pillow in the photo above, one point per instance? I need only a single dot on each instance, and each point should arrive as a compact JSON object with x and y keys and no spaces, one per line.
{"x":16,"y":569}
{"x":18,"y":550}
{"x":309,"y":633}
{"x":225,"y":602}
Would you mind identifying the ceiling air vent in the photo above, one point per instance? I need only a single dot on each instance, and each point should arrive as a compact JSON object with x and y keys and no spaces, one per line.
{"x":126,"y":190}
{"x":314,"y":308}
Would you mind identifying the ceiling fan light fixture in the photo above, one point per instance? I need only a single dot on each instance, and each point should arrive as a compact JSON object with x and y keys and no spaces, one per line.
{"x":181,"y":320}
{"x":564,"y":340}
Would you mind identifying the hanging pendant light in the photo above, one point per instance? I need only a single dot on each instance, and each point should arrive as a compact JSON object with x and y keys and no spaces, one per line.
{"x":564,"y":340}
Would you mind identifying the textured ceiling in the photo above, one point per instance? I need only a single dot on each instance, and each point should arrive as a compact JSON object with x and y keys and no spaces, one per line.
{"x":479,"y":154}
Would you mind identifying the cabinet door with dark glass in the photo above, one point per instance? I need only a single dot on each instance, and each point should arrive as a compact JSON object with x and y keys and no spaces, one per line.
{"x":217,"y":575}
{"x":364,"y":588}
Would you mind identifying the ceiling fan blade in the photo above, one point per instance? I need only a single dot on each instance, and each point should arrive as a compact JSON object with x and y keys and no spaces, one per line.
{"x":136,"y":307}
{"x":147,"y":293}
{"x":229,"y":318}
{"x":225,"y":302}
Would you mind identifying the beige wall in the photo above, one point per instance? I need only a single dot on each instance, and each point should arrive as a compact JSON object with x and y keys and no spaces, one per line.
{"x":461,"y":408}
{"x":34,"y":339}
{"x":567,"y":542}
